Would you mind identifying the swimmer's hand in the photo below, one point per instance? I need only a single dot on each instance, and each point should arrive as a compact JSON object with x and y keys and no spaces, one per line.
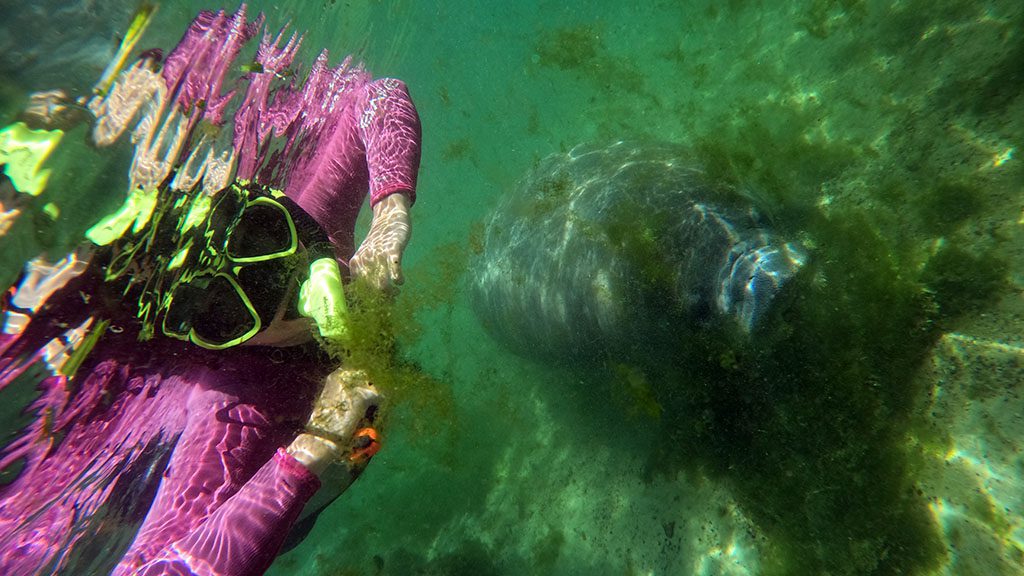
{"x":379,"y":257}
{"x":53,"y":110}
{"x":347,"y":404}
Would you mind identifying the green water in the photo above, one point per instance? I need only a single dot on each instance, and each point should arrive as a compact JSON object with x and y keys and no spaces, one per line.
{"x":888,"y":135}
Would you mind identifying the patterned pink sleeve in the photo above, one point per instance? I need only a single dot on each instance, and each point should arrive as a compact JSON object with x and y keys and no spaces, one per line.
{"x":244,"y":535}
{"x":390,"y":128}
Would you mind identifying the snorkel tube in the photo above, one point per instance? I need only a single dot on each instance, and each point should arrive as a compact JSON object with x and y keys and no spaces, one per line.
{"x":140,"y":21}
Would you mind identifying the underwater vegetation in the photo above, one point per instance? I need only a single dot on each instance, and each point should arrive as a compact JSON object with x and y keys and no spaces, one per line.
{"x":808,"y":417}
{"x":579,"y":51}
{"x":812,"y":422}
{"x":375,"y":323}
{"x":809,"y":423}
{"x":963,"y":281}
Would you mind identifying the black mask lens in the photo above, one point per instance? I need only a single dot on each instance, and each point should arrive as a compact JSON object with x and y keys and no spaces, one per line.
{"x":264,"y":230}
{"x":224,"y":317}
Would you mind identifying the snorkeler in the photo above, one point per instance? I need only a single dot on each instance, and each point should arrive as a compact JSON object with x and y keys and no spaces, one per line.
{"x":184,"y":409}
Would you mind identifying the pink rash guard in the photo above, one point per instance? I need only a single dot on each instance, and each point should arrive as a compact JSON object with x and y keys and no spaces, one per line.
{"x":345,"y":134}
{"x":375,"y":149}
{"x":159,"y":457}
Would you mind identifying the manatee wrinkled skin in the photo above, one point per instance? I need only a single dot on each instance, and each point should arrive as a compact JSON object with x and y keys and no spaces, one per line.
{"x":623,"y":247}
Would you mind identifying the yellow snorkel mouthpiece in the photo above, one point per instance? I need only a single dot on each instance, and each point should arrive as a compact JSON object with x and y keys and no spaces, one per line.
{"x":322,"y":298}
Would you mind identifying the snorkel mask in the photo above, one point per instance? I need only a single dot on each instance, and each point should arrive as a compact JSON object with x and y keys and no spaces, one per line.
{"x":237,"y":291}
{"x":216,"y":271}
{"x":211,"y":270}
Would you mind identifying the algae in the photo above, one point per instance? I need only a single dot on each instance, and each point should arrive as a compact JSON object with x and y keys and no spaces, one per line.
{"x":809,"y":422}
{"x":964,"y":281}
{"x":425,"y":404}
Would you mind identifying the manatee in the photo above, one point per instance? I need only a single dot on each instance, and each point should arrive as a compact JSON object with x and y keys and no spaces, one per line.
{"x":626,"y":247}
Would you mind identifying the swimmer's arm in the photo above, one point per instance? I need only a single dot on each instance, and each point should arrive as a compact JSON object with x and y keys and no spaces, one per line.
{"x":390,"y":129}
{"x":379,"y":257}
{"x":341,"y":415}
{"x":244,"y":535}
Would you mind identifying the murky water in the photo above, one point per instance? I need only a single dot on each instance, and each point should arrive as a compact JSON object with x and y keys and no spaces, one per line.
{"x":872,"y":428}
